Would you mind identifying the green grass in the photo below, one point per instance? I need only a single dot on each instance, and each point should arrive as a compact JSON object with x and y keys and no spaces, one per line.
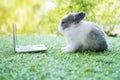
{"x":54,"y":65}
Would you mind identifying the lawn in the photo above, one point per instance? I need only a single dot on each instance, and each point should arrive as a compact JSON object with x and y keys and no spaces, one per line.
{"x":55,"y":65}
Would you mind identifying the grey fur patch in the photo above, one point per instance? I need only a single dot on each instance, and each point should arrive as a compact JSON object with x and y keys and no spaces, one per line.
{"x":80,"y":48}
{"x":66,"y":22}
{"x":79,"y":16}
{"x":72,"y":18}
{"x":96,"y":41}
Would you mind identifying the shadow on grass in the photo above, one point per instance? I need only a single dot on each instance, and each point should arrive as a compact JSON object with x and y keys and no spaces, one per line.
{"x":92,"y":52}
{"x":36,"y":52}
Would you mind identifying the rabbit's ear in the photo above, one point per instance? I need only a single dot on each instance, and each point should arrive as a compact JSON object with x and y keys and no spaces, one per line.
{"x":79,"y":16}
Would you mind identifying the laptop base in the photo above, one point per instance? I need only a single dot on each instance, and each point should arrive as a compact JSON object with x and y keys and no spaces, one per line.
{"x":31,"y":48}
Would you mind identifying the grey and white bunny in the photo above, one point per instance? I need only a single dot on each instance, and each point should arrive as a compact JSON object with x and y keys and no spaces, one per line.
{"x":82,"y":35}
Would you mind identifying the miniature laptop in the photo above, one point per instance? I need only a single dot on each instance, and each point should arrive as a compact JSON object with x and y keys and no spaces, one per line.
{"x":28,"y":48}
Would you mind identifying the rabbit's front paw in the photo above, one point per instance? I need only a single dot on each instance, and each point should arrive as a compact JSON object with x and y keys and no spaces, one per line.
{"x":67,"y":50}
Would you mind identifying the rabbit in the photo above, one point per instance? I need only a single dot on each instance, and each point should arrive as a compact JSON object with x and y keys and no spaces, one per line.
{"x":82,"y":35}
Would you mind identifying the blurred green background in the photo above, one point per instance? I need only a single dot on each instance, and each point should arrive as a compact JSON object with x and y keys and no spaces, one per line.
{"x":43,"y":16}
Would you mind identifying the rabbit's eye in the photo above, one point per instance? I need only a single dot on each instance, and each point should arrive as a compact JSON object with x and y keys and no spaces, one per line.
{"x":63,"y":22}
{"x":73,"y":20}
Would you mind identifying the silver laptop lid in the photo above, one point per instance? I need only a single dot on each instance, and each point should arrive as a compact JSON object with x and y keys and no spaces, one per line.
{"x":14,"y":36}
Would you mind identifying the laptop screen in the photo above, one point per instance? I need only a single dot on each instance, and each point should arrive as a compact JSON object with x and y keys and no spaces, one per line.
{"x":14,"y":36}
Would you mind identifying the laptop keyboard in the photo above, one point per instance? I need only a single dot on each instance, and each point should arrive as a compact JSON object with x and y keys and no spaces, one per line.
{"x":31,"y":48}
{"x":26,"y":48}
